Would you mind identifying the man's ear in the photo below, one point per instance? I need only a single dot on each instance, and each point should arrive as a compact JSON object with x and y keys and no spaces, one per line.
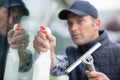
{"x":97,"y":24}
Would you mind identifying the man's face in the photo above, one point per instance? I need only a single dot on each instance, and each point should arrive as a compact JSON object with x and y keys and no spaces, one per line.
{"x":15,"y":14}
{"x":3,"y":21}
{"x":9,"y":17}
{"x":83,"y":28}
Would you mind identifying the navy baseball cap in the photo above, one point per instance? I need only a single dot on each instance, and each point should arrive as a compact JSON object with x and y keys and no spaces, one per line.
{"x":2,"y":2}
{"x":15,"y":3}
{"x":80,"y":8}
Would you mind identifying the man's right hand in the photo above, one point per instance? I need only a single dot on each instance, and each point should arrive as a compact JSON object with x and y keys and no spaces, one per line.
{"x":40,"y":43}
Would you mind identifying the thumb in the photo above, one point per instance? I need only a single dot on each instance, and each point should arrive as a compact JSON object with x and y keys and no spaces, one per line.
{"x":10,"y":35}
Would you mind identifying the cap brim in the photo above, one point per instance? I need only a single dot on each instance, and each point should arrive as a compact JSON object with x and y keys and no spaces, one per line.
{"x":64,"y":13}
{"x":26,"y":12}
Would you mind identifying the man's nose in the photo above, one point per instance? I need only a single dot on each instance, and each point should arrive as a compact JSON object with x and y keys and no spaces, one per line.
{"x":10,"y":20}
{"x":74,"y":27}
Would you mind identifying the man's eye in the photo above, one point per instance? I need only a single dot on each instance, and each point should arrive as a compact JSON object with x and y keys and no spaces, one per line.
{"x":69,"y":23}
{"x":80,"y":21}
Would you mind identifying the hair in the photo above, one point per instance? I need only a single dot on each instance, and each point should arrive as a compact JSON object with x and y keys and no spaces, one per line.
{"x":18,"y":9}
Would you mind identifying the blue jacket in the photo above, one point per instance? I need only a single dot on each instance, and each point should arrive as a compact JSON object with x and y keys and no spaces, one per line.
{"x":3,"y":53}
{"x":106,"y":58}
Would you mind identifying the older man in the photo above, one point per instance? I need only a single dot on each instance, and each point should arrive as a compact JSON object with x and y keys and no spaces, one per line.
{"x":11,"y":12}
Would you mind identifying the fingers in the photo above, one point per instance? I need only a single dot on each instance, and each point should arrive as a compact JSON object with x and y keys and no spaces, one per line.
{"x":52,"y":41}
{"x":93,"y":75}
{"x":51,"y":38}
{"x":10,"y":34}
{"x":40,"y":42}
{"x":39,"y":48}
{"x":21,"y":32}
{"x":18,"y":39}
{"x":21,"y":39}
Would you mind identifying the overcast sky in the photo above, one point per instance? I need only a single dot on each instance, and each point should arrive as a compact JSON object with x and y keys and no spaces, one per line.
{"x":106,"y":4}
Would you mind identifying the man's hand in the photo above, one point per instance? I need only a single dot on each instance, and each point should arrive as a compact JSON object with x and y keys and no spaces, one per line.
{"x":93,"y":75}
{"x":18,"y":40}
{"x":40,"y":44}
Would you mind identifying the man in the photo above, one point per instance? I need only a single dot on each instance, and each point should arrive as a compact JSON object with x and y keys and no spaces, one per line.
{"x":11,"y":12}
{"x":84,"y":26}
{"x":3,"y":37}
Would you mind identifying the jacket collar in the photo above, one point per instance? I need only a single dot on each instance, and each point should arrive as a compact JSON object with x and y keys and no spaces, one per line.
{"x":103,"y":39}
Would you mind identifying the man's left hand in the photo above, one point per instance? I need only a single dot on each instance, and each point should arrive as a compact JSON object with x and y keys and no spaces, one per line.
{"x":93,"y":75}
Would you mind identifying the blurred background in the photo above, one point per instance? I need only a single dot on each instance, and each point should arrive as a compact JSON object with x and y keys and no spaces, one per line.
{"x":45,"y":12}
